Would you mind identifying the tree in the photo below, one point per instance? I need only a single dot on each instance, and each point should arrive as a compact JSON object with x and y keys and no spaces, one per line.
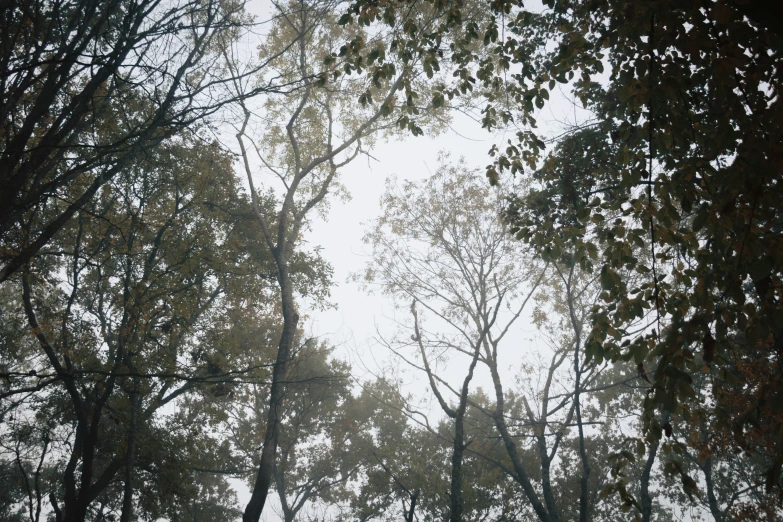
{"x":403,"y":475}
{"x":317,"y":457}
{"x":441,"y":246}
{"x":681,"y":151}
{"x":408,"y":470}
{"x":441,"y":243}
{"x":89,"y":86}
{"x":125,"y":314}
{"x":316,"y":132}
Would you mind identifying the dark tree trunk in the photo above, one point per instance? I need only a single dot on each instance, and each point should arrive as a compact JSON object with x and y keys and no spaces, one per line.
{"x":646,"y":471}
{"x":130,"y":458}
{"x":266,"y":467}
{"x":520,"y":475}
{"x":412,"y":509}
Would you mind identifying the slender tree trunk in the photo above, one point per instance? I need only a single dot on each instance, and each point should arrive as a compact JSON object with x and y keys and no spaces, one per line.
{"x":706,"y":467}
{"x":58,"y":515}
{"x":37,"y":480}
{"x":288,"y":513}
{"x":645,"y":483}
{"x":130,"y":458}
{"x":511,"y":448}
{"x":711,"y":499}
{"x":457,"y":503}
{"x":412,"y":509}
{"x":585,"y":478}
{"x":646,"y":471}
{"x":268,"y":454}
{"x":546,"y":480}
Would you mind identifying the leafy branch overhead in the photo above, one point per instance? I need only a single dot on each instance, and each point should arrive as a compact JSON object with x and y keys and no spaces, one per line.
{"x":588,"y":328}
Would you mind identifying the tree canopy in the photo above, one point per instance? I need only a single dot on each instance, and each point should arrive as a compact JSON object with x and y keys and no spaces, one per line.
{"x":588,"y":326}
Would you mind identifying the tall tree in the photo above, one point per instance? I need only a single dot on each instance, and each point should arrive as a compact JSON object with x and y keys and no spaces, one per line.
{"x":441,"y":245}
{"x":317,"y":457}
{"x":316,"y":131}
{"x":121,"y":313}
{"x":408,"y":468}
{"x":681,"y":156}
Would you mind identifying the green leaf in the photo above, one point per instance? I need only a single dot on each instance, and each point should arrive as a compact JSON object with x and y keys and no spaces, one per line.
{"x":700,"y":219}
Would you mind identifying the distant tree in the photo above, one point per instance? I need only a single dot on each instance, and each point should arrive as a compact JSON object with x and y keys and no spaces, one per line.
{"x":441,"y":245}
{"x":408,"y":469}
{"x":404,"y":472}
{"x":317,"y":457}
{"x":555,"y":434}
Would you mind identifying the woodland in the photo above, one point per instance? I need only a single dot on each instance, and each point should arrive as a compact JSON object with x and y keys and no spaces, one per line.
{"x":162,"y":163}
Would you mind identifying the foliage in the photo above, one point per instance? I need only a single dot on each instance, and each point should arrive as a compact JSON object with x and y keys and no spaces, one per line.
{"x":89,"y":86}
{"x":128,"y":311}
{"x":440,"y":242}
{"x":316,"y":131}
{"x":680,"y":162}
{"x":317,"y":453}
{"x":149,"y":308}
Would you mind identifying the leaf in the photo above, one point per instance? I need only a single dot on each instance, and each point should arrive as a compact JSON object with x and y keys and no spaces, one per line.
{"x":700,"y":219}
{"x":709,"y":346}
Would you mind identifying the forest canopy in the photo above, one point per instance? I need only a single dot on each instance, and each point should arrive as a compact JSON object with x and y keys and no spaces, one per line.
{"x":163,"y":164}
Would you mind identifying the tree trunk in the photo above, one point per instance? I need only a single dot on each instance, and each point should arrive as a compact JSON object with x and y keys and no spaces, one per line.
{"x":584,"y":480}
{"x":713,"y":501}
{"x":268,"y":454}
{"x":130,"y":458}
{"x":457,"y":502}
{"x":520,"y":475}
{"x":412,"y":510}
{"x":645,"y":480}
{"x":546,"y":481}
